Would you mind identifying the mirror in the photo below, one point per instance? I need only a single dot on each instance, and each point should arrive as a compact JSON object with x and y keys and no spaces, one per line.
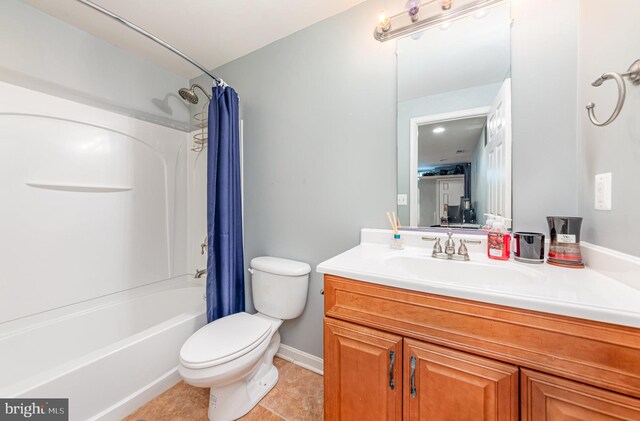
{"x":454,"y":121}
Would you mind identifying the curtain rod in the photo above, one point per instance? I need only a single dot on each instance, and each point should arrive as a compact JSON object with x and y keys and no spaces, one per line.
{"x":152,"y":38}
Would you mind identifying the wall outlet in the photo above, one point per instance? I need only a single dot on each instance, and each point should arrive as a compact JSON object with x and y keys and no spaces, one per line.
{"x":402,"y":200}
{"x":603,"y":191}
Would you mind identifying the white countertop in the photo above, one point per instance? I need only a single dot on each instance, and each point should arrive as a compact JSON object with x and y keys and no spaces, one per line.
{"x":584,"y":293}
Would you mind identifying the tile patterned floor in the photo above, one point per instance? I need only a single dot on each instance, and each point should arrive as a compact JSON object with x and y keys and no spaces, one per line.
{"x":298,"y":396}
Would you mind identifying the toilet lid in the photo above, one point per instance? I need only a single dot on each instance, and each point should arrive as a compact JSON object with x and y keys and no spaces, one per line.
{"x":224,"y":340}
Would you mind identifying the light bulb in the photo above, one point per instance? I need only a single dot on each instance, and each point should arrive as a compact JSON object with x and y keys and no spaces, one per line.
{"x":384,"y":23}
{"x":445,"y":4}
{"x":413,"y":9}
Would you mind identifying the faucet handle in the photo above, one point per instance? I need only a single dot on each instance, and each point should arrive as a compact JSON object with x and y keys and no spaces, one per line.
{"x":204,"y":244}
{"x":437,"y":247}
{"x":462,"y":251}
{"x":450,"y":245}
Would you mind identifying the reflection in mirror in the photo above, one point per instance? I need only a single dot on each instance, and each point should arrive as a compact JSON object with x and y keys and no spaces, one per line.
{"x":447,"y":151}
{"x":454,"y":121}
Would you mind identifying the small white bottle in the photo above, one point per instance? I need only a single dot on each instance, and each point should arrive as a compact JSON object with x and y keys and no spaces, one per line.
{"x":396,"y":242}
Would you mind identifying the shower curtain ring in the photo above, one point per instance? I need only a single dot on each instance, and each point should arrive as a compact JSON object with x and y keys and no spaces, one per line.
{"x":622,"y":93}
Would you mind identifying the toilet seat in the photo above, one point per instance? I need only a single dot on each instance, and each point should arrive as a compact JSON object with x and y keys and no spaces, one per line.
{"x":224,"y":340}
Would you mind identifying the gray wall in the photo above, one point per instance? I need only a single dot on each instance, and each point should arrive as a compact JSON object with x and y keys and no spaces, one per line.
{"x":479,"y":183}
{"x":320,"y":128}
{"x":319,"y":147}
{"x":614,"y":148}
{"x":56,"y":58}
{"x":544,"y":41}
{"x":428,"y":202}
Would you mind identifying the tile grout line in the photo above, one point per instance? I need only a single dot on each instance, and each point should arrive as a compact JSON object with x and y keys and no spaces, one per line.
{"x":275,"y":413}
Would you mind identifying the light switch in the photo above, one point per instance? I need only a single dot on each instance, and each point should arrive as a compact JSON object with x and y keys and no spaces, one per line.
{"x":402,"y":200}
{"x":603,"y":191}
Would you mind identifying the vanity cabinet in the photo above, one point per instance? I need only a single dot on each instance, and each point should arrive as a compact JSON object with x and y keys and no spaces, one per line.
{"x":455,"y":359}
{"x":551,"y":398}
{"x":364,"y":373}
{"x":443,"y":384}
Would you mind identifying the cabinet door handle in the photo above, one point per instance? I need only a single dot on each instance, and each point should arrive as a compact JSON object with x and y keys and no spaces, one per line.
{"x":392,"y":360}
{"x":413,"y":376}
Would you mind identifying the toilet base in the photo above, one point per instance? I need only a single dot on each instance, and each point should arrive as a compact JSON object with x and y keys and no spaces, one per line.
{"x":232,"y":401}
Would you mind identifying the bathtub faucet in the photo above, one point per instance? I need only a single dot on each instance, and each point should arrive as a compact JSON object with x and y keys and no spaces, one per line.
{"x":199,"y":273}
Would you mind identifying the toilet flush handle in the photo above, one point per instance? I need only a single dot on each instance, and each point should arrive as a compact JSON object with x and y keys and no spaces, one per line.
{"x":250,"y":270}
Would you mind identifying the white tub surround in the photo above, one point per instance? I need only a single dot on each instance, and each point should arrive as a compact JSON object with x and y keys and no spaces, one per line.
{"x":97,"y":203}
{"x":584,"y":293}
{"x":94,"y":297}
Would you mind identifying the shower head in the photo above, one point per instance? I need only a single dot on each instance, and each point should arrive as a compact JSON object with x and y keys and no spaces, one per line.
{"x":189,"y":94}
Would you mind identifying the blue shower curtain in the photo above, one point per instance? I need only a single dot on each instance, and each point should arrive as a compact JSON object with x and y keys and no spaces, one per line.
{"x":225,"y":263}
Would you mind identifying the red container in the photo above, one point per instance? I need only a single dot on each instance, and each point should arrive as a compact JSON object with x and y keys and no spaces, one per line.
{"x":499,"y":245}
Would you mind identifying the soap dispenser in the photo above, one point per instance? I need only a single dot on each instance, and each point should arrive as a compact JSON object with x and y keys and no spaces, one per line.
{"x":498,"y":240}
{"x":488,"y":223}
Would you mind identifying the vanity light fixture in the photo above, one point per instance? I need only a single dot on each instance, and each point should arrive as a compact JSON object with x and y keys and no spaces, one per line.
{"x":384,"y":23}
{"x":438,"y":130}
{"x":413,"y":10}
{"x":409,"y":21}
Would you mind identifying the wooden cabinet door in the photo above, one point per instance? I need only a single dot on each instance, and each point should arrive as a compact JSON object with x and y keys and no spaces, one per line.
{"x":546,"y":397}
{"x":362,"y":369}
{"x":442,"y":384}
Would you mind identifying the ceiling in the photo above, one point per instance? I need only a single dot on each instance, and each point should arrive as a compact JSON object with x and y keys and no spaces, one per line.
{"x":444,"y":148}
{"x":213,"y":32}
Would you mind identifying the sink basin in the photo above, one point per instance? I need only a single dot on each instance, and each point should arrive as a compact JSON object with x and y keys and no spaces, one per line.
{"x":470,"y":273}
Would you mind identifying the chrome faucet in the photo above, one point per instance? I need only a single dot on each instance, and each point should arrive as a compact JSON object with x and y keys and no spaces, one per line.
{"x":204,"y":244}
{"x":203,"y":247}
{"x":450,"y":245}
{"x":450,"y":248}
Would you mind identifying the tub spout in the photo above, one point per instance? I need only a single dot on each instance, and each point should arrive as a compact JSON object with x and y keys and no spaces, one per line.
{"x":199,"y":273}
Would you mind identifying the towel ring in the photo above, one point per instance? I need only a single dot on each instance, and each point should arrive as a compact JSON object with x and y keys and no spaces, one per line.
{"x":634,"y":76}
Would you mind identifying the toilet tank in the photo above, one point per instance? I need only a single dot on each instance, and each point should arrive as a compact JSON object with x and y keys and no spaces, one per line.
{"x":279,"y":286}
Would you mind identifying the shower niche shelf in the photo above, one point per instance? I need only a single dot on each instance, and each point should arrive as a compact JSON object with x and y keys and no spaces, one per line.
{"x":78,"y":187}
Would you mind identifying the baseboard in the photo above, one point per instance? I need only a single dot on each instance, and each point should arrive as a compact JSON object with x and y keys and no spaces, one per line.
{"x":134,"y":401}
{"x":301,"y":358}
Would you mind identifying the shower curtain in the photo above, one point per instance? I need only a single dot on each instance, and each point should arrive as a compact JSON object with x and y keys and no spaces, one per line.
{"x":225,"y":263}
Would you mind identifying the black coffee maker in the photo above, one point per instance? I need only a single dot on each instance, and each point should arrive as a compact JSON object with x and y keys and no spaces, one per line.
{"x":469,"y":216}
{"x":468,"y":213}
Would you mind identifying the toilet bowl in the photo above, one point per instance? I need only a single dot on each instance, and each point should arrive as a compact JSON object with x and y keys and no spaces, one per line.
{"x":234,"y":355}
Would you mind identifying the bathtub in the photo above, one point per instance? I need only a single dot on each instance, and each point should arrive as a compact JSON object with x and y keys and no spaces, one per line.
{"x":109,"y":355}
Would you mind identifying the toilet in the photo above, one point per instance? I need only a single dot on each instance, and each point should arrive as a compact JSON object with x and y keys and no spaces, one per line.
{"x":234,"y":355}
